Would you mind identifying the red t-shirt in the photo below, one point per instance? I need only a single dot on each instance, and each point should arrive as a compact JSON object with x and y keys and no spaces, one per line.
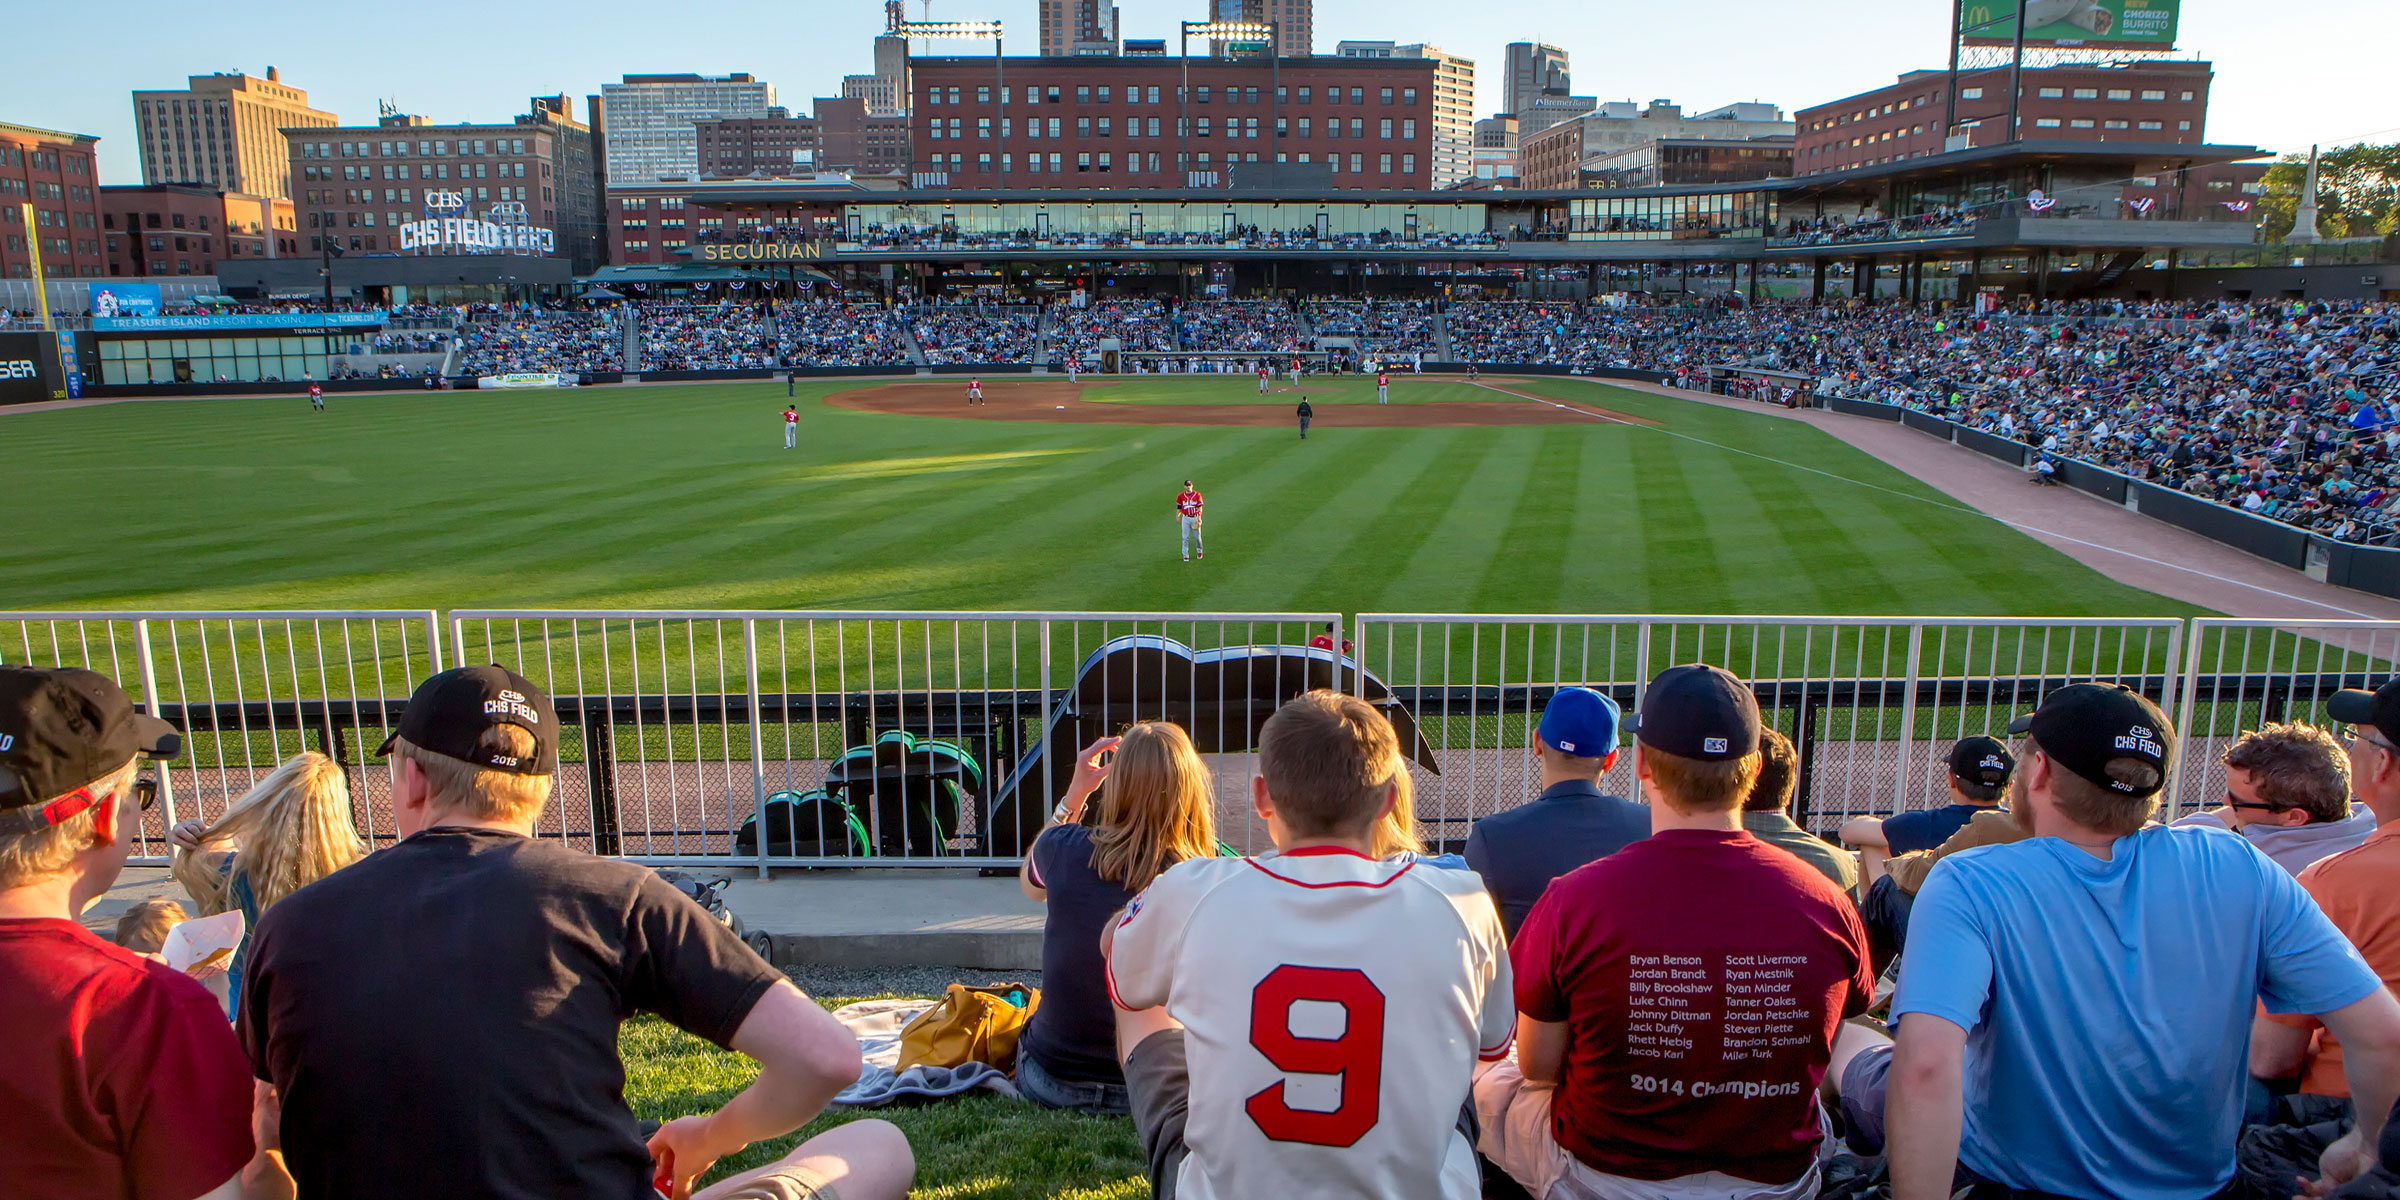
{"x":1187,"y":503}
{"x":123,"y":1079}
{"x":1699,"y":1026}
{"x":791,"y":416}
{"x":1381,"y":380}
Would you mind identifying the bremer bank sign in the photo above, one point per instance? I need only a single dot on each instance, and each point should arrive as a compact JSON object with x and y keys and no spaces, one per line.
{"x":448,"y":228}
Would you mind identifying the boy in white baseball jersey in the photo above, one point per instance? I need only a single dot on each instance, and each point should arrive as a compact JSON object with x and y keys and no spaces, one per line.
{"x":1307,"y":1023}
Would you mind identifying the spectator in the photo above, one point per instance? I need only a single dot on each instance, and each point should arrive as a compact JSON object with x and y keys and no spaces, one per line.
{"x":2287,"y":792}
{"x":2089,"y":987}
{"x":1977,"y":776}
{"x":121,"y":1079}
{"x":143,"y":928}
{"x":1672,"y":1049}
{"x":1237,"y":966}
{"x":1519,"y":851}
{"x":287,"y":832}
{"x":2354,"y":887}
{"x":1767,"y":813}
{"x":1156,"y":810}
{"x":441,"y":1019}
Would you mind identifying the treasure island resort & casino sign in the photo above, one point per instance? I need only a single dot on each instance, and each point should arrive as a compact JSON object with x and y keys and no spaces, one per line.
{"x":446,"y":227}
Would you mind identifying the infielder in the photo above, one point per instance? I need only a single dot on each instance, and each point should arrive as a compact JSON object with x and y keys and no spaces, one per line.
{"x":1307,"y":414}
{"x":1383,"y":388}
{"x":1074,"y":370}
{"x":1264,"y":373}
{"x":1187,"y":511}
{"x":791,"y":426}
{"x":1295,"y":372}
{"x":974,"y":391}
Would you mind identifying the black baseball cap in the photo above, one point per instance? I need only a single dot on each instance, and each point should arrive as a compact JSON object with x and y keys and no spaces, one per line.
{"x":61,"y":730}
{"x":2082,"y":726}
{"x":1981,"y":760}
{"x":1698,"y":711}
{"x":2379,"y":708}
{"x":449,"y":712}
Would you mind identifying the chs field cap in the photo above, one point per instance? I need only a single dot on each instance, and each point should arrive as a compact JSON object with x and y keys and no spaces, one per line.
{"x":1982,"y":760}
{"x":449,"y":712}
{"x":1581,"y":722}
{"x":1698,"y":711}
{"x":60,"y":730}
{"x":2379,"y":708}
{"x":2084,"y":726}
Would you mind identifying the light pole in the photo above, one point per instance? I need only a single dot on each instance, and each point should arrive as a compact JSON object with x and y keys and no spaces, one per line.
{"x":1221,"y":31}
{"x":971,"y":31}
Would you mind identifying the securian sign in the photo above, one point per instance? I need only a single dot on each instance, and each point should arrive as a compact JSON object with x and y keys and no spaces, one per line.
{"x":759,"y":252}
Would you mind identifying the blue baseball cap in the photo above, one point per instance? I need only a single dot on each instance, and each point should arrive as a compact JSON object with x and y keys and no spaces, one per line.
{"x":1581,"y":722}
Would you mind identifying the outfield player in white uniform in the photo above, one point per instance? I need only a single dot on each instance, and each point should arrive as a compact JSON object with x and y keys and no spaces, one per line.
{"x":1308,"y":1023}
{"x":1383,"y":388}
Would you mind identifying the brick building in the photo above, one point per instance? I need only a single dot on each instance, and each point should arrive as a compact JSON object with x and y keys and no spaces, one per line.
{"x":841,"y":136}
{"x":185,"y":228}
{"x":224,"y":130}
{"x":1114,"y":122}
{"x":59,"y":174}
{"x":359,"y":184}
{"x":1687,"y":162}
{"x":2154,"y":101}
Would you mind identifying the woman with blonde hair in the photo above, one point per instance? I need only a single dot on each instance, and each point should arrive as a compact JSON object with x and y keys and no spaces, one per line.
{"x":1157,"y":808}
{"x":290,"y":830}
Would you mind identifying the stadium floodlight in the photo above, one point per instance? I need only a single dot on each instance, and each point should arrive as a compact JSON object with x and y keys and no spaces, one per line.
{"x":970,"y":31}
{"x":1225,"y":31}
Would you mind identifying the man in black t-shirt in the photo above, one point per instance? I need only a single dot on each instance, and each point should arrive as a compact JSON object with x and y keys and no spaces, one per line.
{"x":441,"y":1019}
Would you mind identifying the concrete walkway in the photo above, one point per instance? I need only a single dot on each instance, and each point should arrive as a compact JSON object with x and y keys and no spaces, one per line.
{"x":862,"y":918}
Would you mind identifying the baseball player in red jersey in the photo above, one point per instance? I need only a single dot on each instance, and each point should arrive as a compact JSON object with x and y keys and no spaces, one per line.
{"x":1383,"y":388}
{"x":974,"y":391}
{"x":316,"y":397}
{"x":791,"y":426}
{"x":1264,"y":373}
{"x":1187,"y":513}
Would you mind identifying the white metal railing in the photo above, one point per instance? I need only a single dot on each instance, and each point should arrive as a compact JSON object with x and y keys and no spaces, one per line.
{"x":683,"y":727}
{"x":249,"y":689}
{"x":2243,"y":673}
{"x":1872,"y":702}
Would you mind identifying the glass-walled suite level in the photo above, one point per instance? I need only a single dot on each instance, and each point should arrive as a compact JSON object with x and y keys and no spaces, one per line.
{"x":1663,"y":218}
{"x":1135,"y":220}
{"x":209,"y":359}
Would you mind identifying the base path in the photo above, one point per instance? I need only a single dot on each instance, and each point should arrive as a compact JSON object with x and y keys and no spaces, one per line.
{"x":2109,"y":538}
{"x":1059,"y":401}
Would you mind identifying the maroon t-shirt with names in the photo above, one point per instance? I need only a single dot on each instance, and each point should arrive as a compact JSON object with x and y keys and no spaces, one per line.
{"x":119,"y":1078}
{"x":1701,"y":976}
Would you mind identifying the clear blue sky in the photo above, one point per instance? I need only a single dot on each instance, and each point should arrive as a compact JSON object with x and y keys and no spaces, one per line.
{"x":2287,"y":74}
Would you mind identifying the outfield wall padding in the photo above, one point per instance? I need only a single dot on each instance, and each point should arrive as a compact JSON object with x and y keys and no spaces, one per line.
{"x":1925,"y":423}
{"x":2271,"y":540}
{"x":2012,"y":453}
{"x":2099,"y":481}
{"x":1863,"y":408}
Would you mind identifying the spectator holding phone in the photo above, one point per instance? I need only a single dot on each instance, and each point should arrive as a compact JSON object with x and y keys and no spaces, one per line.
{"x":1155,"y":811}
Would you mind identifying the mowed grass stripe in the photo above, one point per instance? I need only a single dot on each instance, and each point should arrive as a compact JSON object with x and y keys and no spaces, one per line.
{"x":1528,"y":564}
{"x":1297,"y":511}
{"x":1445,"y":571}
{"x":1678,"y":544}
{"x":1602,"y":548}
{"x":1418,"y":485}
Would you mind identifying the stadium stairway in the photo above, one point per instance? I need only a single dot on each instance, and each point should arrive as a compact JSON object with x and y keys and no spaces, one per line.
{"x":908,"y":335}
{"x":633,"y":338}
{"x":1441,"y":337}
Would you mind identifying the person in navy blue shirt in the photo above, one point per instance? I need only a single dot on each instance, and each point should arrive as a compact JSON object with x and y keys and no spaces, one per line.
{"x":2074,"y":1009}
{"x":1520,"y":851}
{"x":1978,"y":772}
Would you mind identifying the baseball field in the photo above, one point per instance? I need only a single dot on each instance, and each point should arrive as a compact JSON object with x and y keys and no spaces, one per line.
{"x":1516,"y":495}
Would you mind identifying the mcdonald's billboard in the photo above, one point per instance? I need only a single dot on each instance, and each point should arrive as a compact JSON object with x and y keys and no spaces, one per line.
{"x":2146,"y":24}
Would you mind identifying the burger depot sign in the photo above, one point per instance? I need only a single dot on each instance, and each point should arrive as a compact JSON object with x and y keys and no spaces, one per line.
{"x":449,"y":229}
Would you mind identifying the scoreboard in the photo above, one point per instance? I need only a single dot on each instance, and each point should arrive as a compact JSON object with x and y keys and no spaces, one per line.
{"x":30,"y":370}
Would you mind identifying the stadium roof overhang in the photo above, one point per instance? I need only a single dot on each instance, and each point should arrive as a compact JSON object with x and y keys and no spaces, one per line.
{"x":2133,"y":157}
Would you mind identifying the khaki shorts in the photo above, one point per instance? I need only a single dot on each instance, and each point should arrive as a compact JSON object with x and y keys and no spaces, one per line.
{"x":790,"y":1183}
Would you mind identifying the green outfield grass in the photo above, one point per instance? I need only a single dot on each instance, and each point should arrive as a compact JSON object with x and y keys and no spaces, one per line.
{"x":683,"y":495}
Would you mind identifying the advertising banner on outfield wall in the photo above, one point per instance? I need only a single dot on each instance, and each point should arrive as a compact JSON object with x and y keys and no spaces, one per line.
{"x":2148,"y":24}
{"x":283,"y":321}
{"x":125,"y":300}
{"x":29,"y":371}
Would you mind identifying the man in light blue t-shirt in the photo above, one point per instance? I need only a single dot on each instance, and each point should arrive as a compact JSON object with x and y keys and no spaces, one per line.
{"x":2088,"y":992}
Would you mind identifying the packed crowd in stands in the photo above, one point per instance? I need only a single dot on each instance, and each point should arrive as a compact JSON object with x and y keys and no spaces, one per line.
{"x":1236,"y":325}
{"x":2026,"y":989}
{"x":834,"y":334}
{"x":568,"y":341}
{"x":1380,"y":326}
{"x":410,"y":341}
{"x":1248,"y":237}
{"x":969,"y":334}
{"x":1944,"y":221}
{"x":1137,"y":325}
{"x":708,"y":337}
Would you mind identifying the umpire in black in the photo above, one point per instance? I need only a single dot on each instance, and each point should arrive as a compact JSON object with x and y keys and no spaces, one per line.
{"x":1306,"y":415}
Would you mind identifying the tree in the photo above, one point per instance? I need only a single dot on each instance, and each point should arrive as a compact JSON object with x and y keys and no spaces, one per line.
{"x":2358,"y":191}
